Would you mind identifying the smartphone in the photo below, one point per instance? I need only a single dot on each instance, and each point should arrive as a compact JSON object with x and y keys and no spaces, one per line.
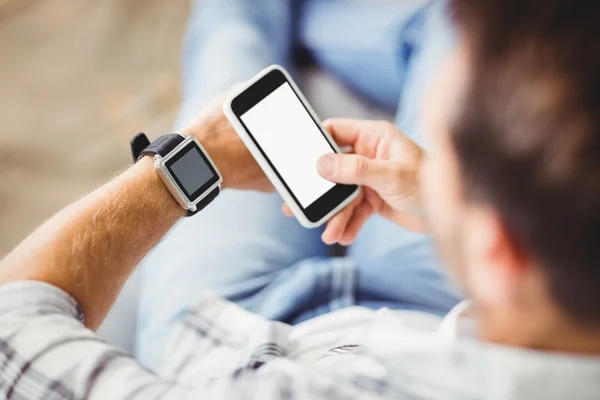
{"x":286,"y":138}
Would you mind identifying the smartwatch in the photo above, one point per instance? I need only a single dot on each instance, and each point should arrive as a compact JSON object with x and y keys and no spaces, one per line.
{"x":184,"y":167}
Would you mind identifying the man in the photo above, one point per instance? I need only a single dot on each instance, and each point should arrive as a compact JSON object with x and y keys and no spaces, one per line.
{"x":385,"y":51}
{"x":510,"y":190}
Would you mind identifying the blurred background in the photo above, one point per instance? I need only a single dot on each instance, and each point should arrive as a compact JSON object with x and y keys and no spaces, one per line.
{"x":78,"y":78}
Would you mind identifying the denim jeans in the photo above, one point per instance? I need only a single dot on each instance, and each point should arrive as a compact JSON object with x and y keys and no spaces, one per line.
{"x":242,"y":247}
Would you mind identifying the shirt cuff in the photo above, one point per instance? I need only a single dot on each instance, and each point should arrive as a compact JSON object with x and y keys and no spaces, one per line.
{"x":26,"y":294}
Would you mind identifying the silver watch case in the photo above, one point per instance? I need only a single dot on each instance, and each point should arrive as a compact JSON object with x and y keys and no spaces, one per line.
{"x":171,"y":184}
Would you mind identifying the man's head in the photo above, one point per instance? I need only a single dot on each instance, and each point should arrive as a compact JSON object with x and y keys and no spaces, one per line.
{"x":515,"y":130}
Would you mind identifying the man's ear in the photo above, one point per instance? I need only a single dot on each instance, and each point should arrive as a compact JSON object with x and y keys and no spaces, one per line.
{"x":494,"y":265}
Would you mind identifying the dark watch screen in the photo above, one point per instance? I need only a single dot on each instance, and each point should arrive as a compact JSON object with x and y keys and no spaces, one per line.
{"x":192,"y":171}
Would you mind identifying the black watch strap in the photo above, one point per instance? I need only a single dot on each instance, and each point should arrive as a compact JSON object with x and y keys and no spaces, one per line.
{"x":205,"y":201}
{"x":141,"y":146}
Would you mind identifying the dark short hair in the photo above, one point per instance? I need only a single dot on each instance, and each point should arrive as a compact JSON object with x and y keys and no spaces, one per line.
{"x":527,"y":135}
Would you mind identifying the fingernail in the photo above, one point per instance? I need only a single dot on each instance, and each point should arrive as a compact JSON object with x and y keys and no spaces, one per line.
{"x":327,"y":240}
{"x":327,"y":165}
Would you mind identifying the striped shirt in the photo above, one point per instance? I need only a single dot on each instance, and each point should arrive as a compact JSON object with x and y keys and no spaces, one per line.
{"x":222,"y":351}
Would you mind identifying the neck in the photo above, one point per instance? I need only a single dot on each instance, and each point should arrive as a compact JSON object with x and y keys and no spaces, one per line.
{"x":540,"y":331}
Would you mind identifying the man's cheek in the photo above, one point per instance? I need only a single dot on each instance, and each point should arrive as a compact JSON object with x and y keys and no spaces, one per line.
{"x":430,"y":188}
{"x":437,"y":203}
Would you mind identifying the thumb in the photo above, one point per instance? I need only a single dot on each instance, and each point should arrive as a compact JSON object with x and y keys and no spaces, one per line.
{"x":355,"y":169}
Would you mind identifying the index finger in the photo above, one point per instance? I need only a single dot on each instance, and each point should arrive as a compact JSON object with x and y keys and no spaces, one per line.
{"x":347,"y":131}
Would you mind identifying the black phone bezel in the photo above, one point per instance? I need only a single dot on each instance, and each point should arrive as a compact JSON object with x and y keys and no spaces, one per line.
{"x":253,"y":95}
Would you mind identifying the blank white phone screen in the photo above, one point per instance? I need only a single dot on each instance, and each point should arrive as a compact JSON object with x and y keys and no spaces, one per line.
{"x":292,"y":142}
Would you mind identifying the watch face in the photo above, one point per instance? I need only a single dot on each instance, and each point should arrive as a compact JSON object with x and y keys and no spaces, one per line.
{"x":192,"y":171}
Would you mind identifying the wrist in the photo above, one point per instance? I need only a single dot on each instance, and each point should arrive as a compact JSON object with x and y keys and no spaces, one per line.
{"x":152,"y":189}
{"x":227,"y":151}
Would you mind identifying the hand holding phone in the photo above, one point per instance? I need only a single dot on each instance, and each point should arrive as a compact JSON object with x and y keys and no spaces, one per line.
{"x":386,"y":164}
{"x":286,"y":138}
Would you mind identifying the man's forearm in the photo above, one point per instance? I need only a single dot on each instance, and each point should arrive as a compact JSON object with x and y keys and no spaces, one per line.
{"x":90,"y":248}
